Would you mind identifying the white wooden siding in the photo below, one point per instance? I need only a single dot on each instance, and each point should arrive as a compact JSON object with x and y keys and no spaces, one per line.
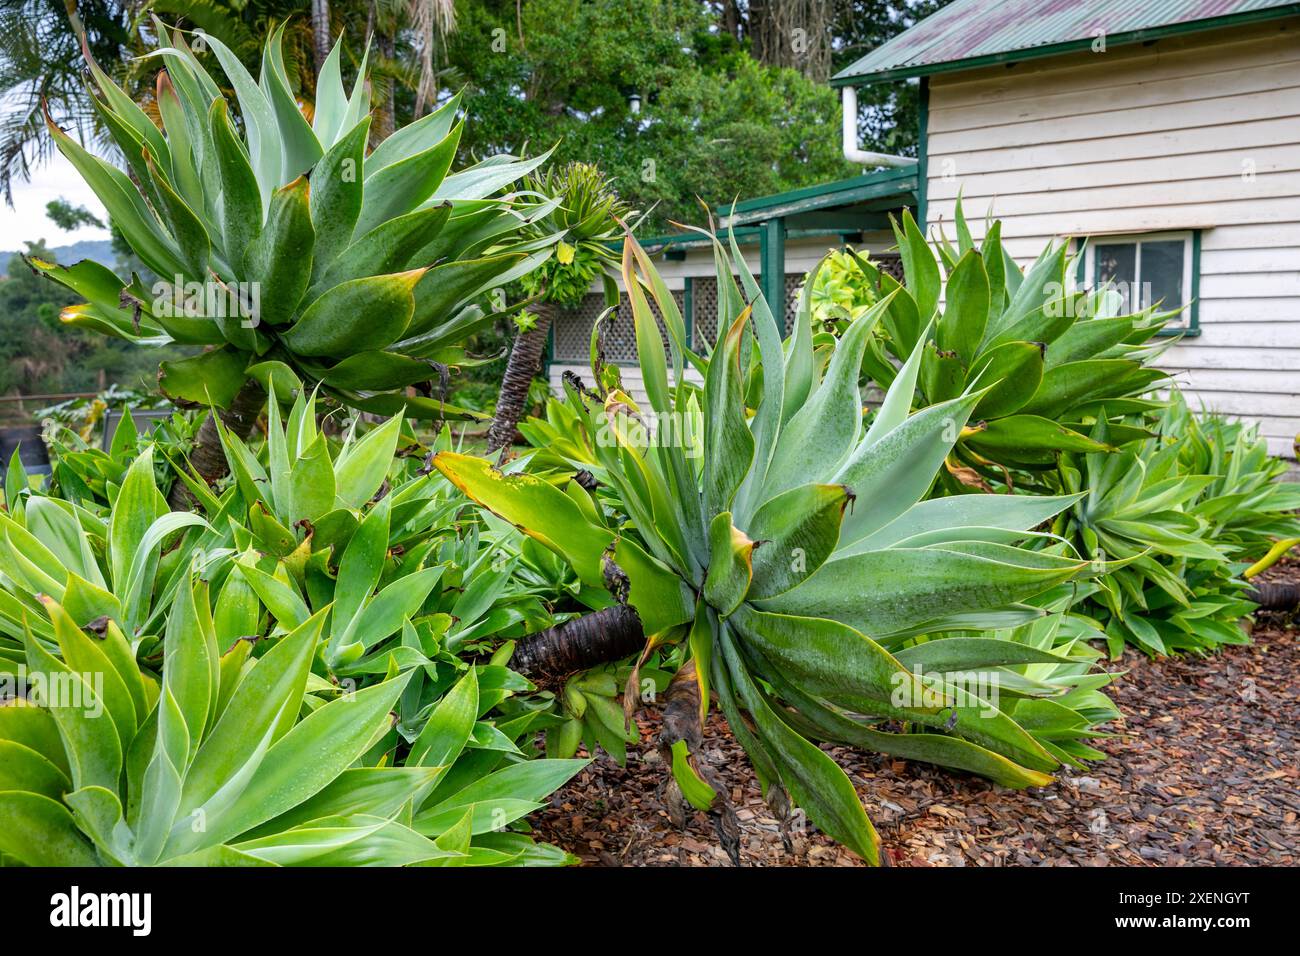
{"x":1147,"y":139}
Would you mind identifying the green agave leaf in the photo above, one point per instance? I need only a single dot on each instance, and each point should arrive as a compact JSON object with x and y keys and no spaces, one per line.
{"x":880,"y":592}
{"x":134,"y":511}
{"x":88,"y":278}
{"x":336,"y":193}
{"x":1012,"y":512}
{"x":1032,"y":433}
{"x":331,"y":99}
{"x":371,"y":791}
{"x":506,"y":791}
{"x":262,"y":707}
{"x":381,"y":370}
{"x":363,"y":465}
{"x":94,"y":751}
{"x":839,"y":663}
{"x":919,"y":265}
{"x":355,"y":316}
{"x":302,"y":762}
{"x":299,"y":148}
{"x":1011,"y":373}
{"x":537,"y":508}
{"x":660,"y":596}
{"x":241,"y":199}
{"x":730,"y":564}
{"x":399,"y":601}
{"x":448,"y":285}
{"x":40,"y":831}
{"x":98,"y":813}
{"x":213,"y":377}
{"x":728,"y":442}
{"x":1071,"y":382}
{"x":1024,"y":319}
{"x":55,"y":525}
{"x":819,"y":436}
{"x":796,"y":531}
{"x":401,"y":186}
{"x":813,"y":779}
{"x":828,"y":722}
{"x":311,"y":482}
{"x":891,"y":475}
{"x":264,"y":144}
{"x":360,"y":568}
{"x":449,"y":727}
{"x":22,"y":768}
{"x":966,"y":308}
{"x":36,"y":729}
{"x":1088,"y":338}
{"x":357,"y":840}
{"x":414,"y":139}
{"x":387,"y":248}
{"x":125,"y":207}
{"x":84,"y":657}
{"x":279,"y":260}
{"x":191,"y":237}
{"x":963,"y":653}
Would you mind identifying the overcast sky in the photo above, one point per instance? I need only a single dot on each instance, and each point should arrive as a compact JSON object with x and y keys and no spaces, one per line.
{"x":27,"y":220}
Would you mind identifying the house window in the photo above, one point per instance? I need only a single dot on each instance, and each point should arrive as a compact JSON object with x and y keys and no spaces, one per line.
{"x":1156,"y":269}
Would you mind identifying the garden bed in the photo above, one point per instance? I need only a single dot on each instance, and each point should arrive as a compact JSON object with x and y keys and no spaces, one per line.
{"x":1206,"y":773}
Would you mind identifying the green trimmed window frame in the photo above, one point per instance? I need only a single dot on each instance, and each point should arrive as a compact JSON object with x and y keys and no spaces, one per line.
{"x":1087,"y":274}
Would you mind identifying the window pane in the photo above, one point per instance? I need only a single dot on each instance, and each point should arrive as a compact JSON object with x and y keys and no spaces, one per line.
{"x":1162,"y":274}
{"x":1116,"y":264}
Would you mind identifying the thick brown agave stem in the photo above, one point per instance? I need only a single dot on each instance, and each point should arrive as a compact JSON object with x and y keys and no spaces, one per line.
{"x":525,"y":362}
{"x":1275,"y":595}
{"x":207,"y":456}
{"x":598,"y":638}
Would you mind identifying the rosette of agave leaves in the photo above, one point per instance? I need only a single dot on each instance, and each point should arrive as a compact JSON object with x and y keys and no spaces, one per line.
{"x":1050,"y":359}
{"x":283,"y":245}
{"x":784,"y":536}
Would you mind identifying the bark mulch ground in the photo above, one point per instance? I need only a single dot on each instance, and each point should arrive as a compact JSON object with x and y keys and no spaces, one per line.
{"x":1207,"y":773}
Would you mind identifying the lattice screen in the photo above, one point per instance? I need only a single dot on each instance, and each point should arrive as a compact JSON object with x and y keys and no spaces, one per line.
{"x":573,"y":330}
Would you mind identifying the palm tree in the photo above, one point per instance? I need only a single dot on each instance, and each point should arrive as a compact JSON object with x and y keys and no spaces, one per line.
{"x":40,"y":57}
{"x":588,"y":217}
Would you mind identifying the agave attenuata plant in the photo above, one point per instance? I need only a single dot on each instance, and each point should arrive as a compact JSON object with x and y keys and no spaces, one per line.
{"x":789,"y":542}
{"x":1049,"y":359}
{"x":240,"y":760}
{"x":288,"y":248}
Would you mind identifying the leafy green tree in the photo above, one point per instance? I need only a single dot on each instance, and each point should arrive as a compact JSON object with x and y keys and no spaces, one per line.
{"x":68,"y":217}
{"x":888,"y":113}
{"x":39,"y":354}
{"x":664,"y":103}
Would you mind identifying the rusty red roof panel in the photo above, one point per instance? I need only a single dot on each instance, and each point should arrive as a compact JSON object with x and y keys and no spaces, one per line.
{"x":973,"y":29}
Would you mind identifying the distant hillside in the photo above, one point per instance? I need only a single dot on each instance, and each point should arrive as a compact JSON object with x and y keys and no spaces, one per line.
{"x":101,"y":250}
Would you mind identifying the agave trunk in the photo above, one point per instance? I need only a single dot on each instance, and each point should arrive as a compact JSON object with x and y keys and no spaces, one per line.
{"x":525,"y":362}
{"x":581,"y":643}
{"x":1275,"y":595}
{"x":208,"y":457}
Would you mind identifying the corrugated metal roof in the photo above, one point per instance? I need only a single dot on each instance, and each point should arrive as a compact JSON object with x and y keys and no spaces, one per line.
{"x":991,"y":30}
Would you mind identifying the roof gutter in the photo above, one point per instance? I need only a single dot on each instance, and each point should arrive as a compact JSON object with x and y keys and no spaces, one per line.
{"x":852,"y":152}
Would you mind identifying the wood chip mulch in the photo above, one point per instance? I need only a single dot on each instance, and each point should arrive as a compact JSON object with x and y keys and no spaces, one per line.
{"x":1206,"y":773}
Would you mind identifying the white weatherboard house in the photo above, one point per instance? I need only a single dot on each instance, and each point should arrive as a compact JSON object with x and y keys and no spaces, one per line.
{"x":1163,"y":136}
